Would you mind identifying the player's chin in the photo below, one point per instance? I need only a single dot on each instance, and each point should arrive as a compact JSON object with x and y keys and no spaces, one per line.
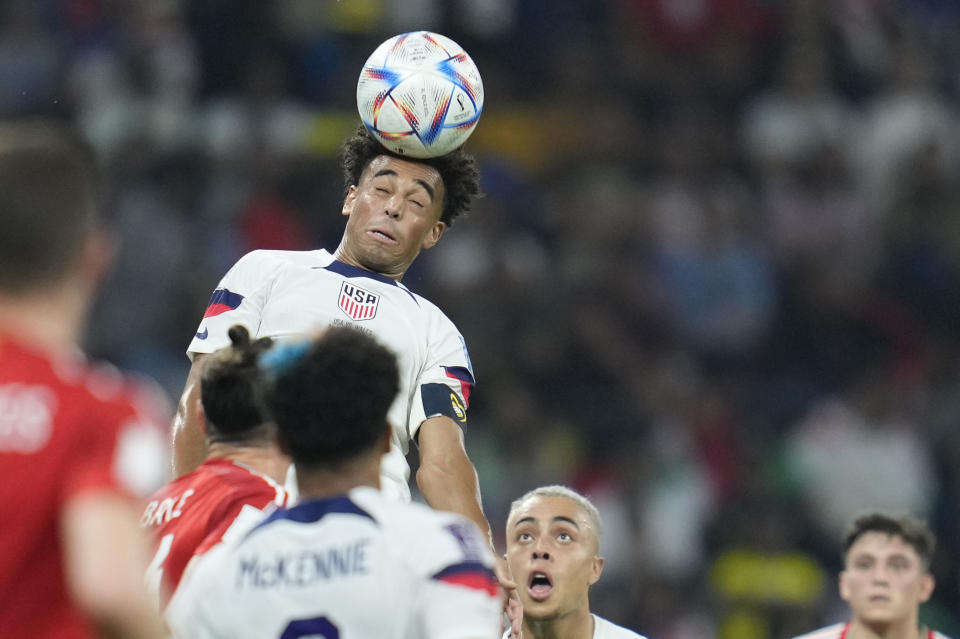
{"x":539,"y":610}
{"x":879,"y":613}
{"x":542,"y":601}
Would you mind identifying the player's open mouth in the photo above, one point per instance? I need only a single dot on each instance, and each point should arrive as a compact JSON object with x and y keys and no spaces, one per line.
{"x":382,"y":236}
{"x":879,"y":599}
{"x":540,"y":586}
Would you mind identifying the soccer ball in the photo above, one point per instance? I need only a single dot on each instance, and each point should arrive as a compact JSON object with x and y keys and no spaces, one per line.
{"x":420,"y":94}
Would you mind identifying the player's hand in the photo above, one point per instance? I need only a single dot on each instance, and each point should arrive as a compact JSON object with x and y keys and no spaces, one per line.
{"x":502,"y":571}
{"x":514,"y":610}
{"x":512,"y":607}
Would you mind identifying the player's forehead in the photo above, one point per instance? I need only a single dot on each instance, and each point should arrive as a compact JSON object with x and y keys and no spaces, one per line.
{"x":881,"y":545}
{"x":544,"y":510}
{"x":389,"y":166}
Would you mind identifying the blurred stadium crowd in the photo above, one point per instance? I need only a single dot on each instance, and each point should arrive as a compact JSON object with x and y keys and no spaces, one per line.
{"x":714,"y":282}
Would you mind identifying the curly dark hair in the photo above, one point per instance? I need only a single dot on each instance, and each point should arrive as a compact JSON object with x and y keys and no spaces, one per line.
{"x":229,"y":385}
{"x":458,"y":170}
{"x":912,"y":530}
{"x":329,"y":398}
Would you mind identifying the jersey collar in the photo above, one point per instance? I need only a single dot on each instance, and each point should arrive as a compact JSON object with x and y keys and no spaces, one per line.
{"x":347,"y":270}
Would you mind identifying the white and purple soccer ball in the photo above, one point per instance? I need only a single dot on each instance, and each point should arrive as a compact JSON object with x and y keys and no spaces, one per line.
{"x":420,"y":94}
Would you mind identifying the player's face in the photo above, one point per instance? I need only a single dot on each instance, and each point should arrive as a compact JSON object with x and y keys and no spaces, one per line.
{"x":552,"y":555}
{"x":394,"y":213}
{"x":884,"y":580}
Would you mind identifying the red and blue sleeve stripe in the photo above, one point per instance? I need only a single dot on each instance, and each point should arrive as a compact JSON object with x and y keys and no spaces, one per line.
{"x":470,"y":574}
{"x":221,"y":301}
{"x":464,"y":377}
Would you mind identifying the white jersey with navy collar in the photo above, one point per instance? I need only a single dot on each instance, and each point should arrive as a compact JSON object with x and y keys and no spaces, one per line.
{"x":359,"y":565}
{"x":284,"y":294}
{"x":843,"y":631}
{"x":603,"y":629}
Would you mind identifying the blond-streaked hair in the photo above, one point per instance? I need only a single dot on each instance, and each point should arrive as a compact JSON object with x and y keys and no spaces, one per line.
{"x":557,"y":490}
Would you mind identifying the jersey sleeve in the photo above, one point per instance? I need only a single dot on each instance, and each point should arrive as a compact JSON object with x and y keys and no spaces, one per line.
{"x":460,"y":596}
{"x":238,"y":299}
{"x":446,"y":380}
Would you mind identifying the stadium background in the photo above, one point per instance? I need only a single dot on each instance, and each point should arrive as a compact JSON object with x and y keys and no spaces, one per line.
{"x":714,"y":283}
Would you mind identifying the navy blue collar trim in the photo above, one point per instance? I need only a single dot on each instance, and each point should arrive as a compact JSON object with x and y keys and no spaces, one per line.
{"x":312,"y":511}
{"x":347,"y":270}
{"x":341,"y":268}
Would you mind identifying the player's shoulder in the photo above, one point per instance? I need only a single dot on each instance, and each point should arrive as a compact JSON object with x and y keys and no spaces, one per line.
{"x":426,"y":535}
{"x":828,"y":632}
{"x":225,"y":478}
{"x":87,"y":382}
{"x":260,"y":258}
{"x":398,"y":517}
{"x":83,"y":403}
{"x":427,"y":307}
{"x":604,"y":629}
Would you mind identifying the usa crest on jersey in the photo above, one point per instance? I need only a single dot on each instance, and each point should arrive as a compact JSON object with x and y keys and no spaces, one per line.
{"x":357,"y":303}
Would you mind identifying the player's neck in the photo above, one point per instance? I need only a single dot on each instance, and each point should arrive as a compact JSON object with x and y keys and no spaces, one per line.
{"x":578,"y":625}
{"x":905,"y":629}
{"x":49,"y":321}
{"x":345,"y":255}
{"x":324,"y":483}
{"x":265,"y":459}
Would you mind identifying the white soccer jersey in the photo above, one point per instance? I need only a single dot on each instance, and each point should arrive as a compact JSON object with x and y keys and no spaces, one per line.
{"x":603,"y":629}
{"x":284,"y":294}
{"x":842,"y":631}
{"x":360,"y":565}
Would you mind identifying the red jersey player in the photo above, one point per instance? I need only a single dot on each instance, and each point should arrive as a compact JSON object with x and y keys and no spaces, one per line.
{"x":241,"y":476}
{"x":75,"y":441}
{"x":886,"y":577}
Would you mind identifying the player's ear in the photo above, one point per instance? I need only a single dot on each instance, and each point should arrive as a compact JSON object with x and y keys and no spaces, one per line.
{"x":349,"y":200}
{"x":844,"y":588}
{"x":97,"y":255}
{"x":927,"y":584}
{"x":596,"y":568}
{"x":434,"y":234}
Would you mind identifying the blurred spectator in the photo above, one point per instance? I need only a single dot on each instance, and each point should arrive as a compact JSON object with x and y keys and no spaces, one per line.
{"x":839,"y":449}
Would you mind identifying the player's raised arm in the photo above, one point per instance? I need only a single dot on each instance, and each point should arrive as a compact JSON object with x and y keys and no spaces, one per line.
{"x":448,"y":481}
{"x":446,"y":476}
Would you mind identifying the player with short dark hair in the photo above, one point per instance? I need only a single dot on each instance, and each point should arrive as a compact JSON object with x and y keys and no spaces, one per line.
{"x":78,"y":441}
{"x":553,"y":553}
{"x":346,"y":560}
{"x":886,"y":577}
{"x":395,"y":207}
{"x":242,"y":475}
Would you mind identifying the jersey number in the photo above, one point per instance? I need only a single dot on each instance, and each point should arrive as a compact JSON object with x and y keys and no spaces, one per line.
{"x":154,"y":574}
{"x":315,"y":627}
